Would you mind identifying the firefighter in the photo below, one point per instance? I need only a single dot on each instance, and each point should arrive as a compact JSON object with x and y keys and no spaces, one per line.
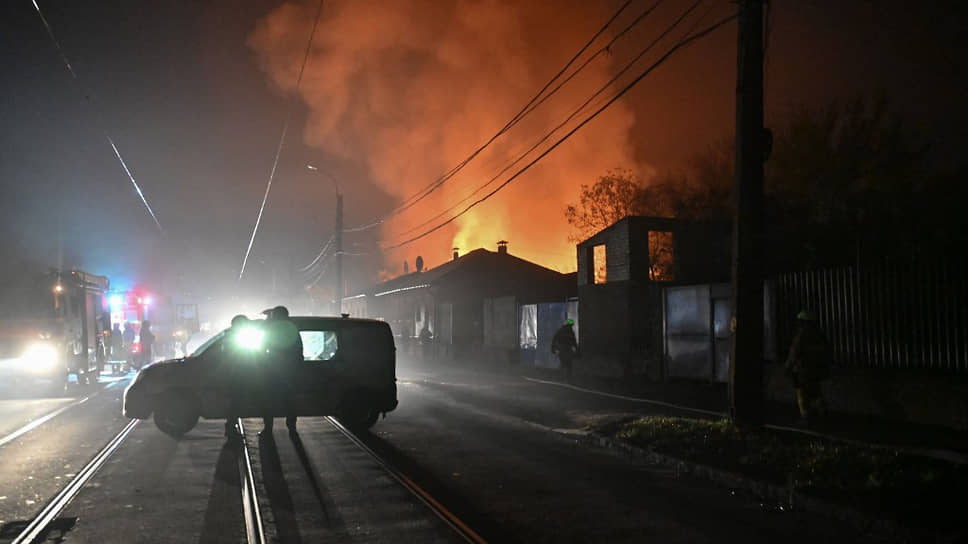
{"x":147,"y":340}
{"x":128,"y":343}
{"x":235,"y":376}
{"x":426,"y":342}
{"x":116,"y":343}
{"x":285,"y":351}
{"x":565,"y":346}
{"x":807,"y":365}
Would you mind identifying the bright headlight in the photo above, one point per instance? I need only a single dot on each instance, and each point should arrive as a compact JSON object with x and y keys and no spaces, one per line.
{"x":249,"y":338}
{"x":39,"y":357}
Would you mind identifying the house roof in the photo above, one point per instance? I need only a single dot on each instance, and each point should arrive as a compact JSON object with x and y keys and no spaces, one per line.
{"x":472,"y":261}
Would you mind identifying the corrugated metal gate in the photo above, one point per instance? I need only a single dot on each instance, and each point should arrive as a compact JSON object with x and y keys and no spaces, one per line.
{"x":696,"y":330}
{"x":910,"y":314}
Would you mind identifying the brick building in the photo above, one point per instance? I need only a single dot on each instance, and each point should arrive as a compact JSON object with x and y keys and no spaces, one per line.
{"x":469,"y":306}
{"x":621,"y":273}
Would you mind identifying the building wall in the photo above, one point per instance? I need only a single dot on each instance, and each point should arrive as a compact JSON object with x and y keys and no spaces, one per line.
{"x":621,"y":331}
{"x":456,"y":295}
{"x":617,"y":258}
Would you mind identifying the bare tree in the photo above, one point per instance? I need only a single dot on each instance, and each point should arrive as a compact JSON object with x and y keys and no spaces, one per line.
{"x":702,"y":192}
{"x":603,"y":203}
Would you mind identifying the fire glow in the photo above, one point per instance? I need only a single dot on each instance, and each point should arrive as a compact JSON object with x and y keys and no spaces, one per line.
{"x":411,"y":89}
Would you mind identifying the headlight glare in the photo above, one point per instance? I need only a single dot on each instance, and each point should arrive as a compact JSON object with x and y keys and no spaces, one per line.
{"x":39,"y":357}
{"x":249,"y":338}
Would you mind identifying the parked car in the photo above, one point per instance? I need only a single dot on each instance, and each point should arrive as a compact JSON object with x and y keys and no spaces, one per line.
{"x":348,"y":370}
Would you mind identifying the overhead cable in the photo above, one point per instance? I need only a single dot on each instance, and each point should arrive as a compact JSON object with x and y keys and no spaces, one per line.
{"x":77,"y":81}
{"x":682,"y":43}
{"x":563,"y":123}
{"x":320,"y":256}
{"x":282,"y":139}
{"x":524,"y":111}
{"x":322,"y":272}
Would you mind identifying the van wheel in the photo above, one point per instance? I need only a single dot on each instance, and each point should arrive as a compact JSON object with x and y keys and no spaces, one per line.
{"x":356,"y":417}
{"x":176,"y":413}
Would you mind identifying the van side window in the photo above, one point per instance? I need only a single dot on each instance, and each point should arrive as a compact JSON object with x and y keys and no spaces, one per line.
{"x":319,"y":345}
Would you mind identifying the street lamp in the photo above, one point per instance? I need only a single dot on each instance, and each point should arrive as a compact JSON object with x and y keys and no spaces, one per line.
{"x":313,"y":168}
{"x":338,"y":238}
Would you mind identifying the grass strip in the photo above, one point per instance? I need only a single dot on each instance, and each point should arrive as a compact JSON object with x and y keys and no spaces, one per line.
{"x":913,"y":490}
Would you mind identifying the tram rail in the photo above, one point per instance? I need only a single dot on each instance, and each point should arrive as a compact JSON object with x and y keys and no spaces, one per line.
{"x":256,"y":533}
{"x":42,"y":522}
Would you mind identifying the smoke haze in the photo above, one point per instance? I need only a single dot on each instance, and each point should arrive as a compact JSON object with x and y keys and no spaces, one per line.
{"x":411,"y":88}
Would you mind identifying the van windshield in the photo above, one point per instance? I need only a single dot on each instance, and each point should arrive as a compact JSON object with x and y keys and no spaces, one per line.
{"x":208,"y":343}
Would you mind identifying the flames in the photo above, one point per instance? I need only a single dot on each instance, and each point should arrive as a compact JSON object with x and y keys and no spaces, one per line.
{"x":408,"y":89}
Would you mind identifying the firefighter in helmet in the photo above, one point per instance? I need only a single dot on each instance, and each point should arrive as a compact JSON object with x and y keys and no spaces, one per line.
{"x":285,"y":353}
{"x":808,"y":365}
{"x":564,"y":344}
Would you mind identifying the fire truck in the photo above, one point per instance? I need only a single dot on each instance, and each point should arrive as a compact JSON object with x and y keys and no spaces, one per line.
{"x":129,"y":309}
{"x":52,"y":327}
{"x":171,"y":323}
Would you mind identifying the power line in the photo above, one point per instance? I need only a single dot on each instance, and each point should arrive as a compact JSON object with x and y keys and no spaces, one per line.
{"x":320,"y":256}
{"x":322,"y":272}
{"x":525,"y":110}
{"x":602,"y":50}
{"x":77,"y":82}
{"x":133,"y":182}
{"x":568,"y":119}
{"x":282,"y":139}
{"x":624,"y":90}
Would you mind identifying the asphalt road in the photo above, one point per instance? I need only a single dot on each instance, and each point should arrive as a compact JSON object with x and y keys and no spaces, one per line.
{"x":494,"y":450}
{"x":40,"y":461}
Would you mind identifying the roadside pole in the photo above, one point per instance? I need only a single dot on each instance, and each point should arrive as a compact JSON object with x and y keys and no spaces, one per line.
{"x":338,"y":304}
{"x":746,"y":341}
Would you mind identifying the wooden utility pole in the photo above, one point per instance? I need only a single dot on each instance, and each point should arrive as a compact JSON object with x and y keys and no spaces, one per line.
{"x":746,"y":340}
{"x":339,"y":254}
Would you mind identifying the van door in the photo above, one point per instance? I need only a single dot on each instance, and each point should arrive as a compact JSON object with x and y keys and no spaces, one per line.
{"x":313,"y":390}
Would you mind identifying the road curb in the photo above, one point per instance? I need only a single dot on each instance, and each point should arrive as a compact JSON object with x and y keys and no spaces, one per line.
{"x":785,"y":496}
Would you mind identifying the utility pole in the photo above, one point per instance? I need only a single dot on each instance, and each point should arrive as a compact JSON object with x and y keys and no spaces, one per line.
{"x":339,"y":253}
{"x":746,"y":340}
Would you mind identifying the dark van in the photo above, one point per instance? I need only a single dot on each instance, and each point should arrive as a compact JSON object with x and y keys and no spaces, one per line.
{"x":348,"y":370}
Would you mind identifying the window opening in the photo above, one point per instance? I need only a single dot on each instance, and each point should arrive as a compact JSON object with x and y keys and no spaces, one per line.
{"x":662,"y":260}
{"x":599,"y":264}
{"x":319,"y":345}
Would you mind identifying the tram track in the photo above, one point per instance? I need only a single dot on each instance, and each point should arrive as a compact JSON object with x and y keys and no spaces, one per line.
{"x":254,"y":528}
{"x":257,"y":532}
{"x":37,"y":422}
{"x":437,"y":507}
{"x":51,"y":520}
{"x":42,"y":522}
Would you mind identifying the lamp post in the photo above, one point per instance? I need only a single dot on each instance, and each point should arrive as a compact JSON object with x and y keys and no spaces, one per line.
{"x":337,"y":239}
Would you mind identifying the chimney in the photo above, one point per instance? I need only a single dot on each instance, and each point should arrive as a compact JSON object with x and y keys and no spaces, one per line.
{"x":456,"y":253}
{"x":502,"y":246}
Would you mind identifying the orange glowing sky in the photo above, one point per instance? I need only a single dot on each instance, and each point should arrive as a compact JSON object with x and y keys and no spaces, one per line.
{"x":411,"y":88}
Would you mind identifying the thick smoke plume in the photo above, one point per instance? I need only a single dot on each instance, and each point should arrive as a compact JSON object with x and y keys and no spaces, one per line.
{"x":410,"y":88}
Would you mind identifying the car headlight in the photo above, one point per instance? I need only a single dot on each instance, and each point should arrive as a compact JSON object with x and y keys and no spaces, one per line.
{"x":249,"y":338}
{"x":39,"y":357}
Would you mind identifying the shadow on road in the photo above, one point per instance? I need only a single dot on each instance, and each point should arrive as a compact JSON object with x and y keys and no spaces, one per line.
{"x":224,"y":509}
{"x":430,"y":483}
{"x":277,"y":491}
{"x":334,"y":522}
